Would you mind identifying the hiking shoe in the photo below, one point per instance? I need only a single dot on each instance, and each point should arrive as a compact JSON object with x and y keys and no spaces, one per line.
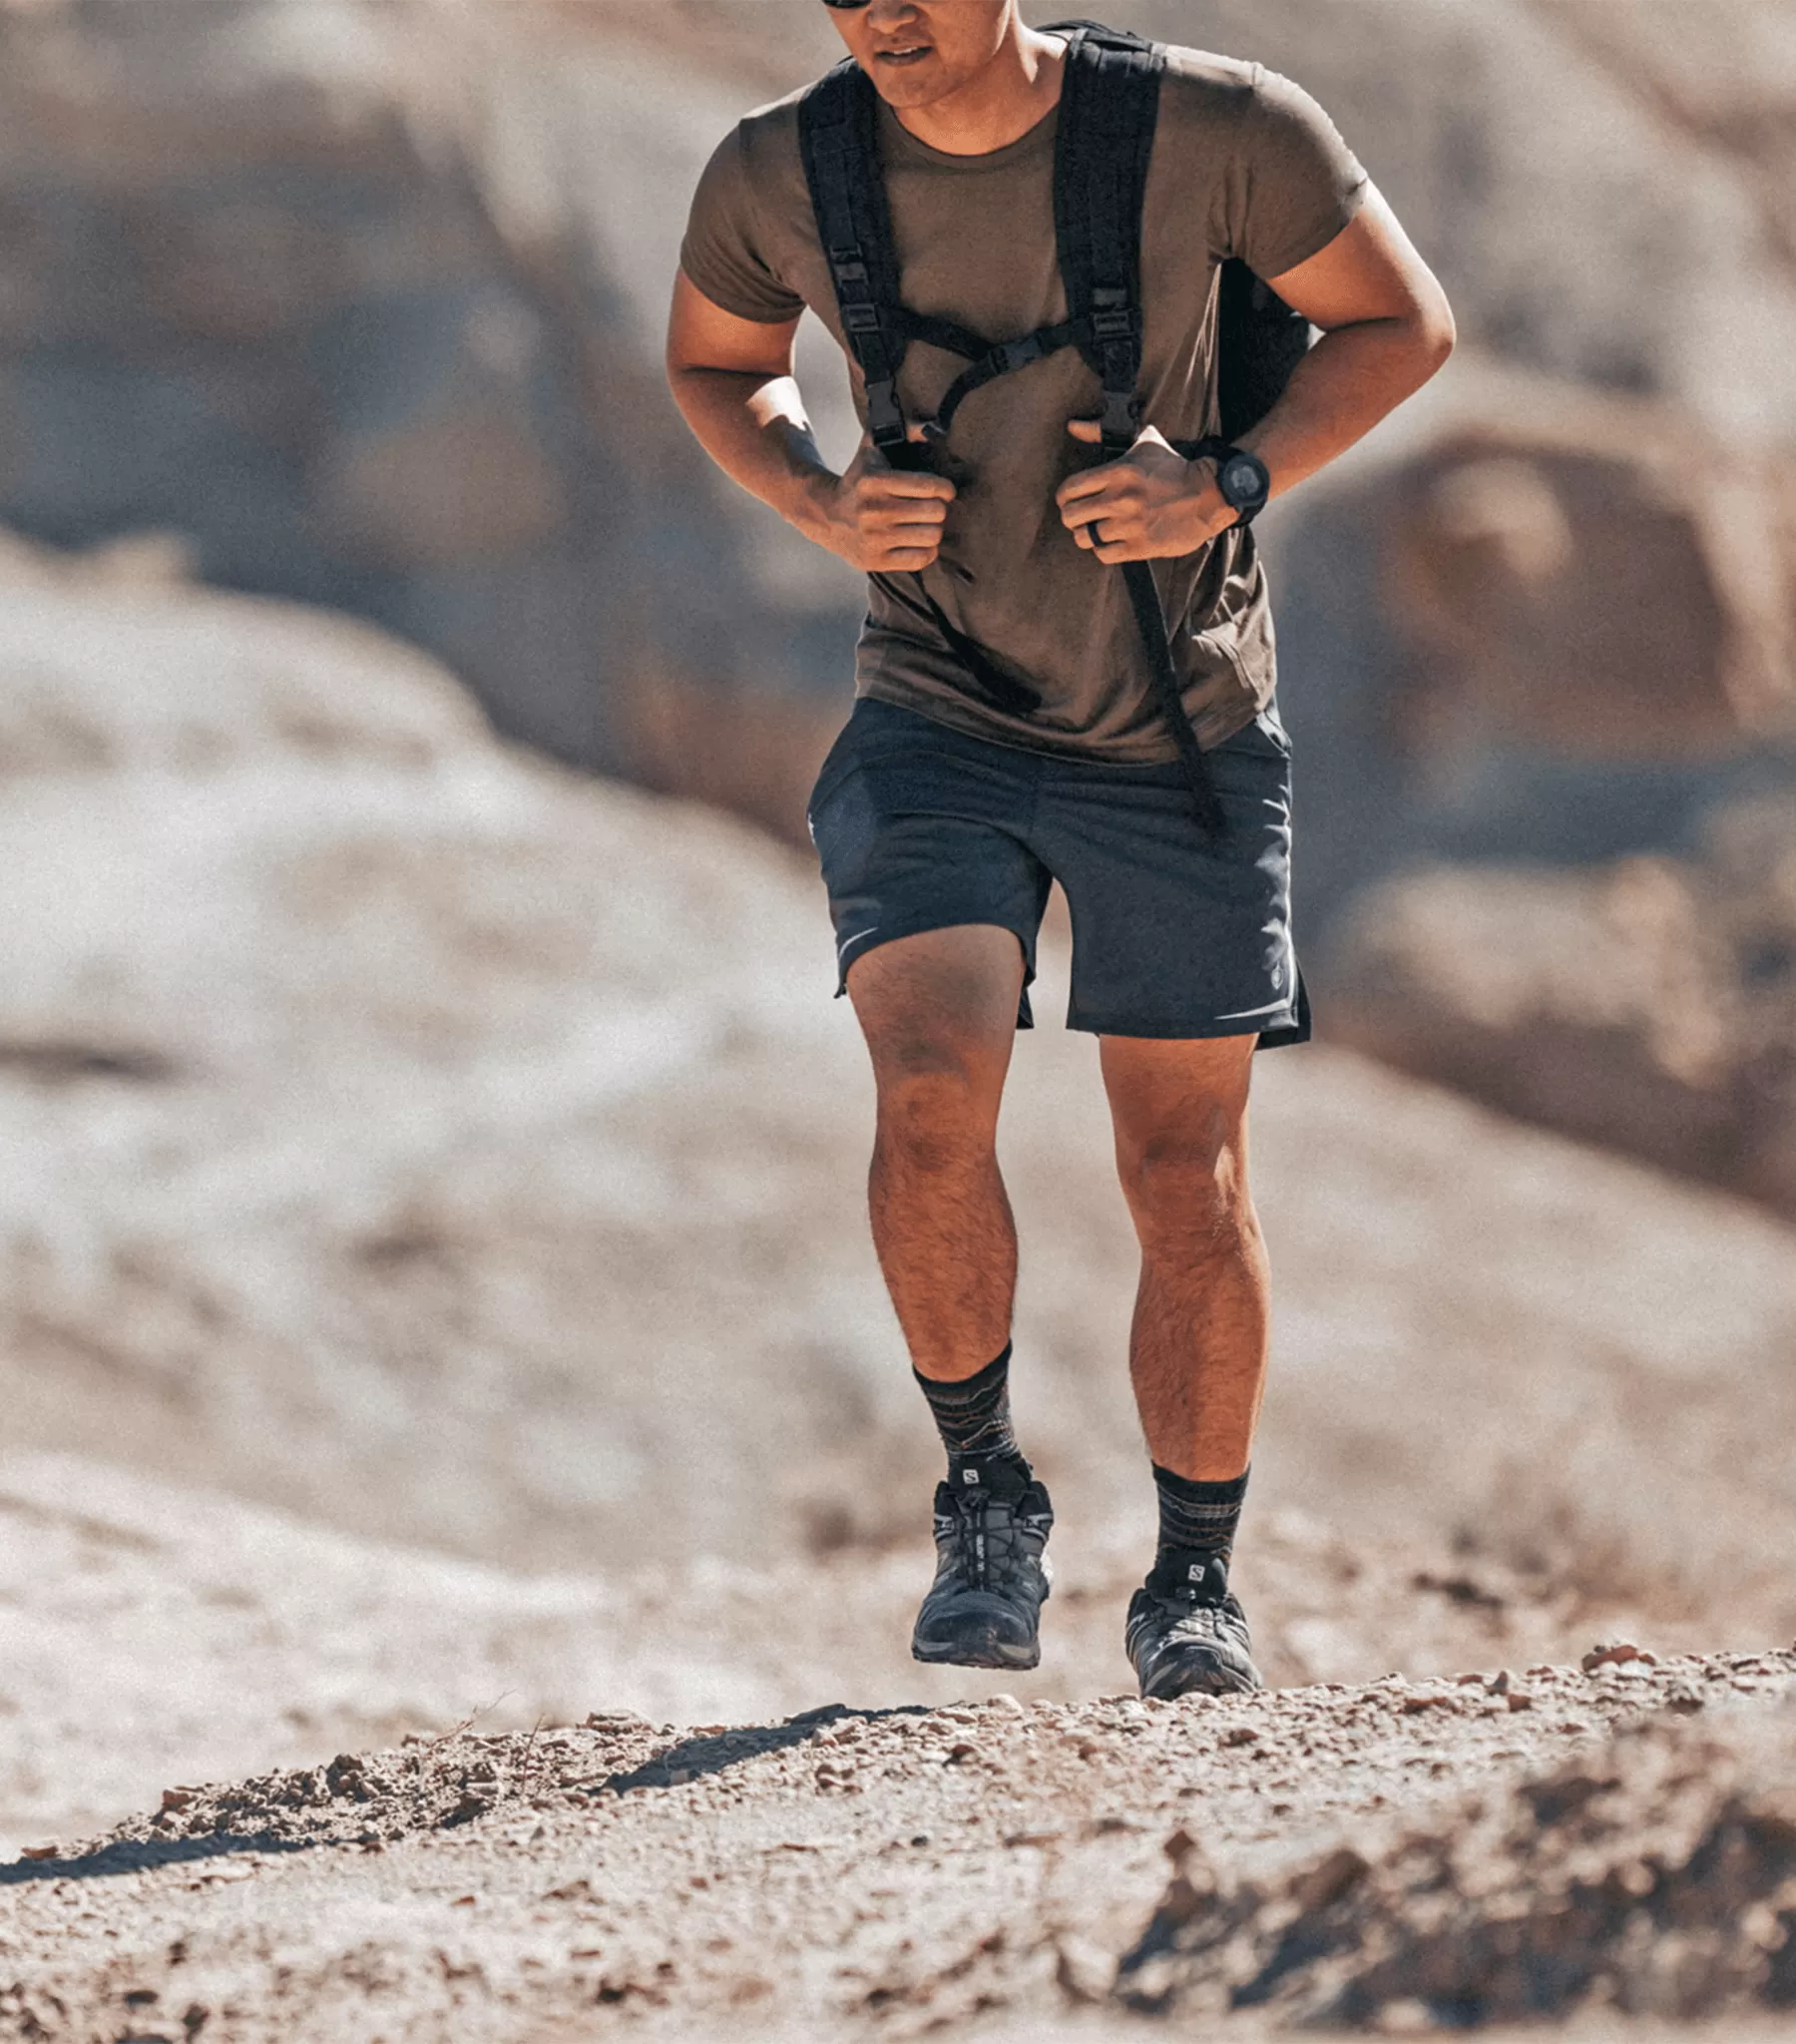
{"x":1186,"y":1633}
{"x":992,"y":1576}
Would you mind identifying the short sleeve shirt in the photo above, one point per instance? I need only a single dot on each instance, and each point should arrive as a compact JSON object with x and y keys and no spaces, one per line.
{"x":1244,"y":164}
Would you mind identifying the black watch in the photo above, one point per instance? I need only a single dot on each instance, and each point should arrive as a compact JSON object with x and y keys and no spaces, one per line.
{"x":1246,"y":482}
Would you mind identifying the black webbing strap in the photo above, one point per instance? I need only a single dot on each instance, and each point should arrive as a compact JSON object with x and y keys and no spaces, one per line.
{"x":838,"y":131}
{"x":1110,"y":111}
{"x":838,"y":136}
{"x":1001,"y":362}
{"x":942,"y":333}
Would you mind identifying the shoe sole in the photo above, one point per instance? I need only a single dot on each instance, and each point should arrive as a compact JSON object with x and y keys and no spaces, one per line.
{"x":985,"y":1654}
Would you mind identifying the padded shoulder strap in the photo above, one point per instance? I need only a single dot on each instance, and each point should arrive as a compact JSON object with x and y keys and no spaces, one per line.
{"x":1109,"y":112}
{"x":838,"y":135}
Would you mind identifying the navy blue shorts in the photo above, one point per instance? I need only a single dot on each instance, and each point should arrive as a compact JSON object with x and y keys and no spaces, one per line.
{"x":1175,"y":934}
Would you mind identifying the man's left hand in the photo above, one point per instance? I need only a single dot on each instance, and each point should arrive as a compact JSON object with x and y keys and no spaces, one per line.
{"x":1149,"y":504}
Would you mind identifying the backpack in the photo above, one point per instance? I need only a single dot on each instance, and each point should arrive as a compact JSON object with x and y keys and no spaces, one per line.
{"x":1109,"y":112}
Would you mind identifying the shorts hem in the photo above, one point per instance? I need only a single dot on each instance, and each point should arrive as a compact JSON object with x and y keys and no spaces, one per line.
{"x":1180,"y":1032}
{"x":921,"y":925}
{"x":1293,"y":1027}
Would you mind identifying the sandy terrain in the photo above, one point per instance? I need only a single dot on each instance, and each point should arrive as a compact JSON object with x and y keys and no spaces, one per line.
{"x":1519,"y":1844}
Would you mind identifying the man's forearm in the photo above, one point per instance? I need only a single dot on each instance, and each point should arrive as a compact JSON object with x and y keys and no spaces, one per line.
{"x":1353,"y":377}
{"x":755,"y":429}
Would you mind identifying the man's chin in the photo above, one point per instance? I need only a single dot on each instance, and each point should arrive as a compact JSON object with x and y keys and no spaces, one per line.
{"x":911,"y":85}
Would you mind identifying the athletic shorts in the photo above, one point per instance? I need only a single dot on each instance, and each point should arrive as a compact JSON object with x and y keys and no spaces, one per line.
{"x":1175,"y":933}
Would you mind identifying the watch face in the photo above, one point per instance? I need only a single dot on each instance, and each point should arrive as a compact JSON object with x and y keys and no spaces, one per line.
{"x":1241,"y":481}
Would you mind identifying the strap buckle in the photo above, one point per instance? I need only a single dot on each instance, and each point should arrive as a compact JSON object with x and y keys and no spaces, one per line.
{"x":1121,"y":418}
{"x":886,"y":415}
{"x":1113,"y":316}
{"x":860,"y":319}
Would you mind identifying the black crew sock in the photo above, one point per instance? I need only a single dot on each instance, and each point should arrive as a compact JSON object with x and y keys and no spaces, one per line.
{"x":1198,"y":1518}
{"x":973,"y":1417}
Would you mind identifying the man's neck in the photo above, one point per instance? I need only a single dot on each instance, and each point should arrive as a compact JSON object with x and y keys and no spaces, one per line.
{"x":1002,"y":104}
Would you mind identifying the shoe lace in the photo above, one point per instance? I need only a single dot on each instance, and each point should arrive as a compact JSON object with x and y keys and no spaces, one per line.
{"x":1200,"y":1621}
{"x":988,"y":1548}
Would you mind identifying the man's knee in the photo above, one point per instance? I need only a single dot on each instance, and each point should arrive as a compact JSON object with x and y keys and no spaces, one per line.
{"x":1187,"y":1183}
{"x":937,"y":1107}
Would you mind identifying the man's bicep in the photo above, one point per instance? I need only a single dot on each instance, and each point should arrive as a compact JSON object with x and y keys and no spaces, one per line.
{"x":1370,"y":270}
{"x":703,"y":336}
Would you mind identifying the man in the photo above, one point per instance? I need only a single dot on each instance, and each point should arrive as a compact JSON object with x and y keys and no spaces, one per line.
{"x":1005,"y":733}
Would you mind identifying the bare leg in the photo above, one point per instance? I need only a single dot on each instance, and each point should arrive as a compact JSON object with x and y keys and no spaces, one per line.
{"x":939,"y":1012}
{"x":1198,"y":1353}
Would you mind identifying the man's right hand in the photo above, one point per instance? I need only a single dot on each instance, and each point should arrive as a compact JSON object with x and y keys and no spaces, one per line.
{"x":882,"y":520}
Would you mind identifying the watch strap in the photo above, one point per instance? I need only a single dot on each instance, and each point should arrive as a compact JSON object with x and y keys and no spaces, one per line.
{"x":1213,"y":449}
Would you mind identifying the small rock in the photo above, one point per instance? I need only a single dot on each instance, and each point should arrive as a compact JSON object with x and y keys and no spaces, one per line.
{"x":1520,"y":1700}
{"x":41,"y":1852}
{"x":1607,"y":1653}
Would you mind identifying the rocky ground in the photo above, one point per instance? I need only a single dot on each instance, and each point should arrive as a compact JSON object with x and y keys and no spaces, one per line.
{"x":1407,"y":1855}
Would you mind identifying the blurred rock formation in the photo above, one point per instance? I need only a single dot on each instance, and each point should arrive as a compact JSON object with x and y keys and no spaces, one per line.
{"x":1650,"y":1005}
{"x":1610,"y":591}
{"x":268,"y":278}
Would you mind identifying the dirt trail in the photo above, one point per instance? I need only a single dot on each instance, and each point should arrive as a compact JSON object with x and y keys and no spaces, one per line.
{"x":883,"y":1873}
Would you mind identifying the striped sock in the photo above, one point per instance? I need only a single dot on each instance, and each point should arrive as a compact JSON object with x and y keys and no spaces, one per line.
{"x":1198,"y":1518}
{"x":973,"y":1416}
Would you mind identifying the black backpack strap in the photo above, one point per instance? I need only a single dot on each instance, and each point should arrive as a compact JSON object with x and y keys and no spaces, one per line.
{"x":839,"y":137}
{"x":1110,"y":111}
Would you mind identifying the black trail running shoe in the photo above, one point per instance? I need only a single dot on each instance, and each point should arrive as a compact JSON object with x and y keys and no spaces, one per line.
{"x":992,"y":1576}
{"x":1186,"y":1633}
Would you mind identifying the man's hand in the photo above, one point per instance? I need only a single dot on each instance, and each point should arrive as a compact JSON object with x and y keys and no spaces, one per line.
{"x":733,"y":378}
{"x":1149,"y":505}
{"x":881,"y":520}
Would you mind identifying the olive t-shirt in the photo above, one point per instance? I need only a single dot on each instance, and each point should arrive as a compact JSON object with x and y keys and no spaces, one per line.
{"x":1244,"y":164}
